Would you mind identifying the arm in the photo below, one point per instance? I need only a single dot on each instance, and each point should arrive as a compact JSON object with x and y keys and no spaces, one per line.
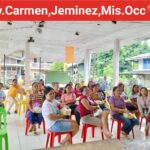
{"x":74,"y":97}
{"x":63,"y":99}
{"x":139,"y":106}
{"x":55,"y":117}
{"x":48,"y":111}
{"x":29,"y":103}
{"x":86,"y":104}
{"x":118,"y":110}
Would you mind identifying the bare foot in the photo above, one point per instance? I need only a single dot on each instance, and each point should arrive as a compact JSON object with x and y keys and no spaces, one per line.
{"x":125,"y":135}
{"x":65,"y":142}
{"x":107,"y":134}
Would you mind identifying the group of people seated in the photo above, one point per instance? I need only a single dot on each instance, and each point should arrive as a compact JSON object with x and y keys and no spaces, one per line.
{"x":89,"y":104}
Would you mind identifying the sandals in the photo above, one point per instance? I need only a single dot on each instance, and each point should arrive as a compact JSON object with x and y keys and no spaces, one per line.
{"x":31,"y":129}
{"x":125,"y":135}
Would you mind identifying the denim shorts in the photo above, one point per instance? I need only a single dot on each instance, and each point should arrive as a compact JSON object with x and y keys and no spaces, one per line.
{"x":61,"y":126}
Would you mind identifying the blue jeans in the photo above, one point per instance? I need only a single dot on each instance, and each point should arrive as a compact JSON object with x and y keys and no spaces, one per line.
{"x":35,"y":117}
{"x":128,"y":124}
{"x":61,"y":126}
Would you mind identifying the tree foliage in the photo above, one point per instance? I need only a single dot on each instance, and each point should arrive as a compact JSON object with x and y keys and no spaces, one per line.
{"x":57,"y":67}
{"x":104,"y":61}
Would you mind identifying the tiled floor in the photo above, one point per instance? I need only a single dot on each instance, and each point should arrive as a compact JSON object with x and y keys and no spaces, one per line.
{"x":18,"y":140}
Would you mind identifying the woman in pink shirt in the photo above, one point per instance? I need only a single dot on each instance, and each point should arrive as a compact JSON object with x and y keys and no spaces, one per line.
{"x":77,"y":90}
{"x":69,"y":99}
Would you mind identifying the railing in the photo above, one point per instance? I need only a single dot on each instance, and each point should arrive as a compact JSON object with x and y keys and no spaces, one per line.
{"x":37,"y":66}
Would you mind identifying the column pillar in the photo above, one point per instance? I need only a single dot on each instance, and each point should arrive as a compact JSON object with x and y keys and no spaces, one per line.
{"x":87,"y":60}
{"x":116,"y":61}
{"x":27,"y":65}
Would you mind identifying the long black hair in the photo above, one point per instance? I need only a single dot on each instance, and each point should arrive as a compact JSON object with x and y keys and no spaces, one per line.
{"x":66,"y":87}
{"x":133,"y":88}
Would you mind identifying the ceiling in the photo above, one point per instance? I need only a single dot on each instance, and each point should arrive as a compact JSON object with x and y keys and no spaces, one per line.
{"x":51,"y":39}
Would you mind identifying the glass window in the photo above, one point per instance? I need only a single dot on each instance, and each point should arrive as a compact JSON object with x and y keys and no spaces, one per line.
{"x":146,"y":63}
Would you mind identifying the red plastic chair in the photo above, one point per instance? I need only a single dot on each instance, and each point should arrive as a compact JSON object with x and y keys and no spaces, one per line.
{"x":140,"y":123}
{"x":51,"y":136}
{"x":119,"y":124}
{"x":28,"y":125}
{"x":84,"y":131}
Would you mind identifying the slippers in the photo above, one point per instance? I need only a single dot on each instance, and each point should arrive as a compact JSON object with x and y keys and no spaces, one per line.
{"x":31,"y":129}
{"x":125,"y":135}
{"x":35,"y":133}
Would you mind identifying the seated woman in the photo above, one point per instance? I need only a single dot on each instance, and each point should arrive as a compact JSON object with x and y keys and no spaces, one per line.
{"x":121,"y":88}
{"x":98,"y":95}
{"x":40,"y":87}
{"x":69,"y":99}
{"x":77,"y":90}
{"x":133,"y":107}
{"x":143,"y":102}
{"x":118,"y":108}
{"x":35,"y":104}
{"x":54,"y":120}
{"x":58,"y":92}
{"x":87,"y":107}
{"x":90,"y":84}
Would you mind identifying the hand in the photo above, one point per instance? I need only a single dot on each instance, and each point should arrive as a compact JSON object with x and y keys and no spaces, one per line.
{"x":62,"y":116}
{"x":142,"y":115}
{"x":96,"y":108}
{"x":126,"y":111}
{"x":32,"y":110}
{"x":62,"y":105}
{"x":66,"y":106}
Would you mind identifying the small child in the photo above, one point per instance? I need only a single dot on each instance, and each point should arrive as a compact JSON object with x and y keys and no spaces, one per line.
{"x":2,"y":95}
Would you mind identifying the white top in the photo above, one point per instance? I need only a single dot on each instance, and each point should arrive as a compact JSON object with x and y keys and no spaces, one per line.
{"x":142,"y":104}
{"x":47,"y":109}
{"x":135,"y":95}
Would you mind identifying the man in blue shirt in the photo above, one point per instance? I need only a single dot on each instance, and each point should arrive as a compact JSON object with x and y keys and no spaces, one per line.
{"x":104,"y":85}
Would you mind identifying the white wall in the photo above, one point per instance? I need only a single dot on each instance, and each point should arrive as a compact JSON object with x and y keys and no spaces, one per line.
{"x":141,"y":64}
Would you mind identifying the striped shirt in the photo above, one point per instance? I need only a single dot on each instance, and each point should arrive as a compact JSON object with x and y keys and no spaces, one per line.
{"x":36,"y":99}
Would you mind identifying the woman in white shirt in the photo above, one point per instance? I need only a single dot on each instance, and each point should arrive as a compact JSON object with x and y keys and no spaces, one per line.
{"x":143,"y":102}
{"x":134,"y":97}
{"x":54,"y":120}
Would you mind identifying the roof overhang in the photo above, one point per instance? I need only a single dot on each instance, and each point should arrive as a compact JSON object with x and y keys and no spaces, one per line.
{"x":50,"y":40}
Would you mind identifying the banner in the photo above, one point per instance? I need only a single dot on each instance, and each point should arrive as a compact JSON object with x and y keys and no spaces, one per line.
{"x":69,"y":55}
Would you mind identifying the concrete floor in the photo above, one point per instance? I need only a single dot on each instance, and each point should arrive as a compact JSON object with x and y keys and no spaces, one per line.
{"x":18,"y":140}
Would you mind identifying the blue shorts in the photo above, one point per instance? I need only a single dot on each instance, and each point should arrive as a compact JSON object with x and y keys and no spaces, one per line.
{"x":61,"y":126}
